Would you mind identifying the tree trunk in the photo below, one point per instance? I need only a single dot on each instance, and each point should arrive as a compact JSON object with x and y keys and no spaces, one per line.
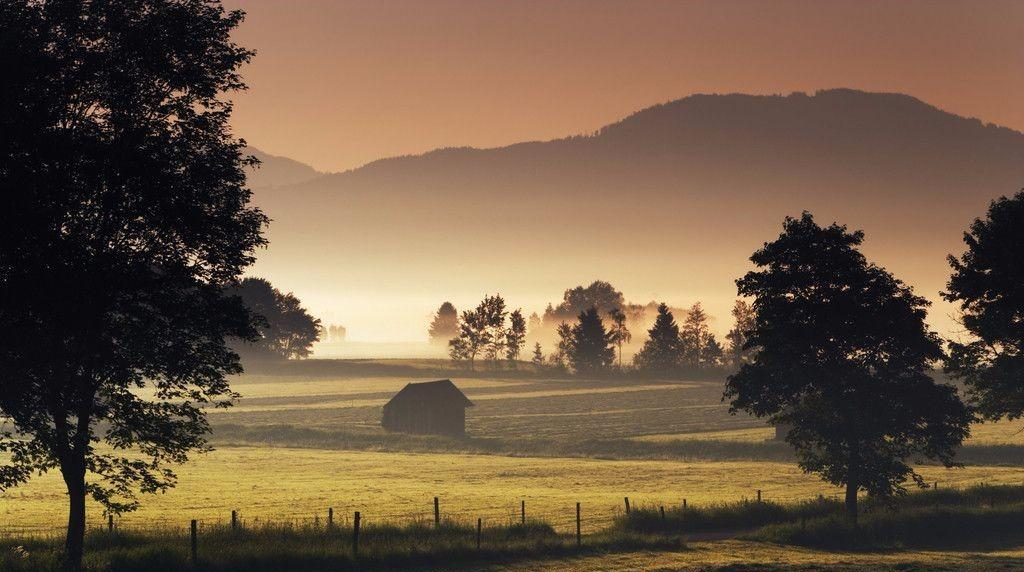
{"x":851,"y":500}
{"x":74,"y":543}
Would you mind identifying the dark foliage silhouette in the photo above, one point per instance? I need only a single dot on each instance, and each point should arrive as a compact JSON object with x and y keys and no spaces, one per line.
{"x":661,"y":352}
{"x":125,"y":222}
{"x":445,"y":324}
{"x":843,"y":357}
{"x":988,"y":284}
{"x":591,"y":348}
{"x":287,"y":330}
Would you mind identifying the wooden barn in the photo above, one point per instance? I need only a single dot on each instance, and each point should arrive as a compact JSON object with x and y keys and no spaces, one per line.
{"x":429,"y":408}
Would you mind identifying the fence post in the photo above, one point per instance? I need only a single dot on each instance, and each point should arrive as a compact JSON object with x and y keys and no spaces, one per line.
{"x":522,"y":512}
{"x":684,"y":504}
{"x":234,"y":520}
{"x":627,"y":504}
{"x":579,"y":540}
{"x":758,"y":495}
{"x":355,"y":535}
{"x":437,"y":512}
{"x":194,"y":543}
{"x":936,"y":485}
{"x":110,"y":523}
{"x":662,"y":509}
{"x":330,"y":517}
{"x":479,"y":527}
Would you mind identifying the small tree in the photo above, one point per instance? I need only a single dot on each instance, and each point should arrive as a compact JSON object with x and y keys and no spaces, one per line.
{"x":592,"y":351}
{"x":538,"y":356}
{"x":515,"y":336}
{"x":445,"y":324}
{"x":987,"y":284}
{"x":661,"y":351}
{"x":843,"y":358}
{"x":712,"y":355}
{"x":473,"y":337}
{"x":694,"y":336}
{"x":743,"y":317}
{"x":566,"y":346}
{"x":618,"y":331}
{"x":492,"y":313}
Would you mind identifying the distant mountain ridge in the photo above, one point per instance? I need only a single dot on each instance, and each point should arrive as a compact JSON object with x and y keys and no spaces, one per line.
{"x":672,"y":198}
{"x":275,"y":171}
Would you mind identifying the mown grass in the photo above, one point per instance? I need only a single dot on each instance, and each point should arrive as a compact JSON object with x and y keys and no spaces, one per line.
{"x":285,"y":547}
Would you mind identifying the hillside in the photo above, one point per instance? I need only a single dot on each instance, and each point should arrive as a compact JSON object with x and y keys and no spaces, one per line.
{"x":667,"y":203}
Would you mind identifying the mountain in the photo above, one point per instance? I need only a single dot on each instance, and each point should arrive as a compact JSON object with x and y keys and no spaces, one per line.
{"x":275,"y":171}
{"x":667,"y":203}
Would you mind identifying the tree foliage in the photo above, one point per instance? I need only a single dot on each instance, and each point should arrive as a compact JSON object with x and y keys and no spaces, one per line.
{"x":844,"y":356}
{"x":618,"y":332}
{"x":743,"y":321}
{"x":126,"y":221}
{"x":445,"y":324}
{"x":515,"y":336}
{"x":661,"y":353}
{"x":590,"y":350}
{"x":286,"y":331}
{"x":988,"y":285}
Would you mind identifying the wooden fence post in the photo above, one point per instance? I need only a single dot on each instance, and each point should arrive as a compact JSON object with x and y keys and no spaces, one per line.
{"x":479,"y":527}
{"x":522,"y":512}
{"x":579,"y":540}
{"x":110,"y":523}
{"x":758,"y":495}
{"x":330,"y":517}
{"x":194,"y":543}
{"x":437,"y":512}
{"x":234,"y":520}
{"x":627,"y":504}
{"x":662,"y":509}
{"x":355,"y":535}
{"x":684,"y":504}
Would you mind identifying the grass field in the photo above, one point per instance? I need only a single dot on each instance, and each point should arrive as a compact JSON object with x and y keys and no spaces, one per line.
{"x":306,"y":437}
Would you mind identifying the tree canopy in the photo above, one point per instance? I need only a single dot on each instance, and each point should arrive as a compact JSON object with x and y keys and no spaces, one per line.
{"x":591,"y":349}
{"x":126,"y":222}
{"x":988,"y":285}
{"x":661,"y":352}
{"x":286,"y":330}
{"x":445,"y":324}
{"x":843,"y":356}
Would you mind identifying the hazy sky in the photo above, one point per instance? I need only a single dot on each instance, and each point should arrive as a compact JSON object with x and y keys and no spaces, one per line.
{"x":337,"y":83}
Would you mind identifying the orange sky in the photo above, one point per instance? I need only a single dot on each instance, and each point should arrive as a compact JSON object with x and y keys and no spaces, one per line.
{"x":338,"y":83}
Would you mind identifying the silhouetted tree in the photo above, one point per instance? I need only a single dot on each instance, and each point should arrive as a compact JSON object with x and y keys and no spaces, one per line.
{"x":693,"y":336}
{"x":599,"y":294}
{"x":473,"y":336}
{"x":843,"y":358}
{"x":743,"y":322}
{"x":126,"y":221}
{"x":515,"y":336}
{"x":566,"y":346}
{"x":445,"y":324}
{"x":592,"y":351}
{"x":287,"y":330}
{"x":988,"y":284}
{"x":618,"y":331}
{"x":712,"y":355}
{"x":492,"y":311}
{"x":661,"y":352}
{"x":538,"y":355}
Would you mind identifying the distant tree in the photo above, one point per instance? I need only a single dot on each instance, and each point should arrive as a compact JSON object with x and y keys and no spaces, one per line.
{"x":693,"y":336}
{"x":988,"y":285}
{"x":592,"y":351}
{"x":599,"y":294}
{"x":493,"y":313}
{"x":538,"y":355}
{"x":743,"y":318}
{"x":618,"y":331}
{"x":445,"y":324}
{"x":287,"y":331}
{"x":515,"y":336}
{"x":712,"y":355}
{"x":534,"y":324}
{"x":843,"y":358}
{"x":125,"y":222}
{"x":565,"y":347}
{"x":661,"y":351}
{"x":473,"y":336}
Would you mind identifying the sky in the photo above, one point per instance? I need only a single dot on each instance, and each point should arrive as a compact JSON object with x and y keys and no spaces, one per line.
{"x":339,"y":83}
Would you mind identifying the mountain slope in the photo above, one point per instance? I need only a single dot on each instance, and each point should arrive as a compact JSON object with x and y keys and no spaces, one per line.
{"x":667,"y":203}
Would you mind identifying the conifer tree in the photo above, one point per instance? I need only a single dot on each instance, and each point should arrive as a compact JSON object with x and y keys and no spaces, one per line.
{"x":661,"y":351}
{"x":592,"y":351}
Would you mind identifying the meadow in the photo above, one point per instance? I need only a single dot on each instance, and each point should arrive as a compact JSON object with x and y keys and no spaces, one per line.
{"x":305,"y":437}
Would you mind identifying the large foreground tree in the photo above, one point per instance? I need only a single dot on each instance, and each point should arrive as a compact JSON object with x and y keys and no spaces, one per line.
{"x":988,"y":285}
{"x":125,"y":223}
{"x":287,"y":330}
{"x":843,"y":356}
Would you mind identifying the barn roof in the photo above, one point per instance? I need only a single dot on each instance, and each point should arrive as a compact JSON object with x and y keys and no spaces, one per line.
{"x":439,"y":391}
